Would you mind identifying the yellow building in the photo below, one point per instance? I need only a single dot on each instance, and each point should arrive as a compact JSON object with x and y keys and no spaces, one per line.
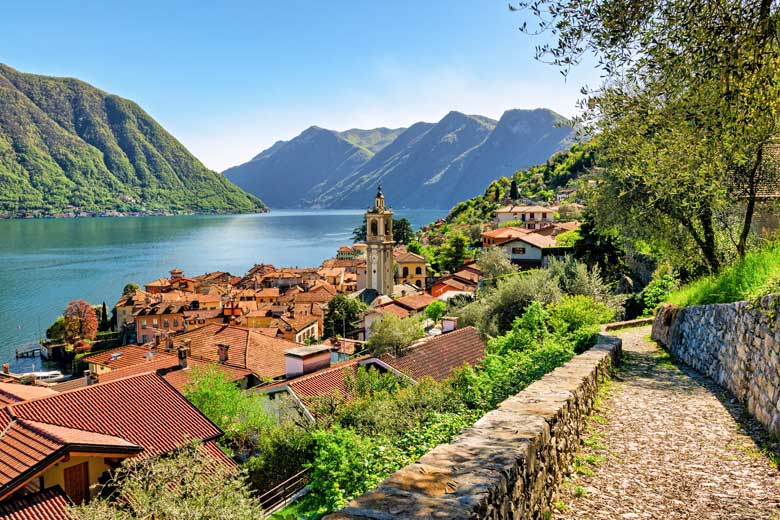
{"x":410,"y":267}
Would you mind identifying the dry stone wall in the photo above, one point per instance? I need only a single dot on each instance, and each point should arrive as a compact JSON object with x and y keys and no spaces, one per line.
{"x":510,"y":463}
{"x":736,"y":344}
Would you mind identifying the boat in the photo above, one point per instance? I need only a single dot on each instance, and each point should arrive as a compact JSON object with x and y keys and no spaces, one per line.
{"x":52,"y":376}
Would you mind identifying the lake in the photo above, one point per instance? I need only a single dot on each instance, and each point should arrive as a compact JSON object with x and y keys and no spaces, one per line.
{"x":44,"y":264}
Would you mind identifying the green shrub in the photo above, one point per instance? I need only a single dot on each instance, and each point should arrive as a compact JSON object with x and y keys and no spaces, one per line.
{"x":656,"y":292}
{"x":346,"y":465}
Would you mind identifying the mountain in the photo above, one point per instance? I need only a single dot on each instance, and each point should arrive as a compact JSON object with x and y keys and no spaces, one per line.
{"x":66,"y":146}
{"x":428,"y":165}
{"x":291,"y":172}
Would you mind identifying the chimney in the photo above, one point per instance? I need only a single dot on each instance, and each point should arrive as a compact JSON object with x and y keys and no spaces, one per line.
{"x":222,"y":349}
{"x":304,"y":360}
{"x":156,"y":343}
{"x":448,"y":324}
{"x":6,"y":368}
{"x":90,"y":378}
{"x":169,"y":343}
{"x":183,"y":352}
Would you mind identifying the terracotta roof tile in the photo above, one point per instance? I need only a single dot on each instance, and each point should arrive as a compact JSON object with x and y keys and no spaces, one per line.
{"x":409,"y":258}
{"x":416,"y":302}
{"x":49,"y":504}
{"x":126,"y":356}
{"x":438,"y":356}
{"x":122,"y":416}
{"x":14,"y":393}
{"x":322,"y":382}
{"x":248,"y":349}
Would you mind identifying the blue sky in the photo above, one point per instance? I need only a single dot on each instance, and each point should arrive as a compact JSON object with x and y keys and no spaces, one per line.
{"x":230,"y":78}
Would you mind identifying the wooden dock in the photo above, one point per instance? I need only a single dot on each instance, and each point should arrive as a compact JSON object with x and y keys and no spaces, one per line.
{"x":31,"y":352}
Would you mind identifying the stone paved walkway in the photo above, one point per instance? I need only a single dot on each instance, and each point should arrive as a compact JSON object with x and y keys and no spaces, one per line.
{"x":667,"y":443}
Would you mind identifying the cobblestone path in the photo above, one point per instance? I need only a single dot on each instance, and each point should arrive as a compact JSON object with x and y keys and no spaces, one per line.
{"x":668,"y":443}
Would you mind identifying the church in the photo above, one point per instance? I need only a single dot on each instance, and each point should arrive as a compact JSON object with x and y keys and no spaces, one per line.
{"x":379,"y":246}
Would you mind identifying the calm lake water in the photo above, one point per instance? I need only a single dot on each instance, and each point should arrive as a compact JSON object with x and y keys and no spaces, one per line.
{"x":44,"y":264}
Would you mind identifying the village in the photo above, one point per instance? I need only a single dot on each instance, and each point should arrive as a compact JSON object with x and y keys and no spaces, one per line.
{"x":275,"y":331}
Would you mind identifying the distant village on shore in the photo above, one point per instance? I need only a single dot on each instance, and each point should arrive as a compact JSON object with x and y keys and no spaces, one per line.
{"x":264,"y":330}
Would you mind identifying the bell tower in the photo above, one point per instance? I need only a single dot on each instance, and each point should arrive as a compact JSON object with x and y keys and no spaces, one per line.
{"x":379,"y":246}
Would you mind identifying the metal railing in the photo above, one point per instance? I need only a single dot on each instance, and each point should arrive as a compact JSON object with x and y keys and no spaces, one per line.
{"x":282,"y":494}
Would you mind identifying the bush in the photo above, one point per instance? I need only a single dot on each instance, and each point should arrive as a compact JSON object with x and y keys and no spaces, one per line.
{"x":282,"y":451}
{"x":656,"y":292}
{"x":346,"y":465}
{"x":435,"y":310}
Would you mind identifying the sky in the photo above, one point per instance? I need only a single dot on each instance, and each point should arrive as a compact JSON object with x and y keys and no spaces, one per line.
{"x":230,"y":78}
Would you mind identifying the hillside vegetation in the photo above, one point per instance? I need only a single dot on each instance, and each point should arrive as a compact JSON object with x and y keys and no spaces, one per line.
{"x":537,"y":183}
{"x":755,"y":275}
{"x":66,"y":146}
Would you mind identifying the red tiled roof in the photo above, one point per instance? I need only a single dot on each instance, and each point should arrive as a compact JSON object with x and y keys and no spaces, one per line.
{"x":393,"y":308}
{"x":505,"y":232}
{"x":409,"y":258}
{"x":129,"y":355}
{"x":14,"y":393}
{"x":166,"y":365}
{"x":535,"y":240}
{"x":248,"y":349}
{"x":438,"y":356}
{"x":179,"y":378}
{"x":122,"y":416}
{"x":143,"y":409}
{"x":322,"y":382}
{"x":416,"y":302}
{"x":49,"y":504}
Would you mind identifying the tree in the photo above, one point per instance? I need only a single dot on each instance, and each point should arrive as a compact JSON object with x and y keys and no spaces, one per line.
{"x":435,"y":310}
{"x":453,"y":252}
{"x":415,"y":247}
{"x":130,"y":288}
{"x":393,"y":334}
{"x":80,"y":321}
{"x":57,"y":329}
{"x":105,"y":324}
{"x":240,"y":415}
{"x":402,"y":231}
{"x":359,"y":233}
{"x":341,"y":315}
{"x":690,"y":95}
{"x":514,"y":193}
{"x":186,"y":484}
{"x":494,"y":264}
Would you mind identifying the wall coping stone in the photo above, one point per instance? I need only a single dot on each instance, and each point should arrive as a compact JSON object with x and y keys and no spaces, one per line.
{"x":510,"y":463}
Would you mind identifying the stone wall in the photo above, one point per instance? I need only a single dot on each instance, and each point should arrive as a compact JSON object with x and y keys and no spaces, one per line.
{"x":510,"y":463}
{"x":736,"y":344}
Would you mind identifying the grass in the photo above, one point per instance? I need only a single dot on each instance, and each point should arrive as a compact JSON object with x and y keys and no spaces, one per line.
{"x":755,"y":275}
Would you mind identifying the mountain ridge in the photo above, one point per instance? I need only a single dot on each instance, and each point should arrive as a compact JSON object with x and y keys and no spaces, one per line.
{"x":69,"y":147}
{"x":427,"y":165}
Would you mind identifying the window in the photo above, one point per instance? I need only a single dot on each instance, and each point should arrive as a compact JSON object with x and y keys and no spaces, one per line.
{"x":143,"y":323}
{"x":518,"y":250}
{"x":530,"y":216}
{"x":175,"y":322}
{"x":406,"y":272}
{"x":166,"y":324}
{"x":154,"y":322}
{"x":374,"y":229}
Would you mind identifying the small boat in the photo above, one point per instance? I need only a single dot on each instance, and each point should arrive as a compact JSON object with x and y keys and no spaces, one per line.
{"x":53,"y":376}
